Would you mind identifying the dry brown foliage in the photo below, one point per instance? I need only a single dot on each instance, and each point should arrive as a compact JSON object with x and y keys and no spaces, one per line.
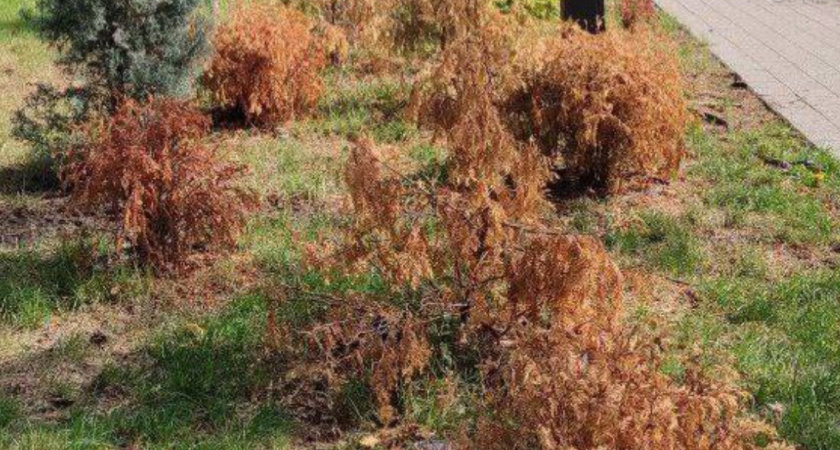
{"x":569,"y":389}
{"x":612,"y":105}
{"x":609,"y":109}
{"x":267,"y":64}
{"x":573,"y":376}
{"x":335,"y":43}
{"x":634,"y":12}
{"x":562,"y":370}
{"x":170,"y":194}
{"x":543,"y":308}
{"x":382,"y":27}
{"x":363,"y":21}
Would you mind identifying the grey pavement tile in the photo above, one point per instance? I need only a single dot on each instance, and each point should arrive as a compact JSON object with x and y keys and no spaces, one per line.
{"x":788,"y":52}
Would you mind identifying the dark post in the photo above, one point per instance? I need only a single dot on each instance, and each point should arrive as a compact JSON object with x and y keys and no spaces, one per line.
{"x":589,"y":14}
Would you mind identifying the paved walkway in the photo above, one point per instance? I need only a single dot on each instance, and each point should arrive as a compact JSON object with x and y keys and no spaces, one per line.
{"x":787,"y":51}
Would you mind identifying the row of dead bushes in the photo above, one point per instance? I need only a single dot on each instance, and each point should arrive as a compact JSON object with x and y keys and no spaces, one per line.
{"x":608,"y":108}
{"x":540,"y":310}
{"x":605,"y":111}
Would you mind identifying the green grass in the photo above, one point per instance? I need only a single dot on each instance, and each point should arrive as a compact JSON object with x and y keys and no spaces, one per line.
{"x":9,"y":411}
{"x":780,"y":322}
{"x":786,"y":204}
{"x":194,"y":389}
{"x":292,"y":168}
{"x":13,"y":29}
{"x":358,"y":107}
{"x":34,"y":285}
{"x":664,"y":241}
{"x":433,"y":405}
{"x":23,"y":59}
{"x":784,"y":337}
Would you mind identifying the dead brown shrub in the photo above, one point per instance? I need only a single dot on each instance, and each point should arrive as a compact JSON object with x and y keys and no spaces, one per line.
{"x":489,"y":52}
{"x":634,"y":12}
{"x":170,"y":194}
{"x":379,"y":29}
{"x":267,"y":64}
{"x":567,"y":388}
{"x":612,"y":105}
{"x":363,"y":21}
{"x":543,"y":309}
{"x":561,"y":368}
{"x":609,"y":109}
{"x":574,"y":376}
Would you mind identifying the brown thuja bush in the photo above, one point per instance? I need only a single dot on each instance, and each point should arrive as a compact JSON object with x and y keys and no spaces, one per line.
{"x":439,"y":98}
{"x":170,"y":194}
{"x":569,"y":389}
{"x":612,"y":105}
{"x":544,"y":309}
{"x":540,"y":309}
{"x":392,"y":26}
{"x":363,"y":21}
{"x":634,"y":12}
{"x":575,"y":376}
{"x":267,"y":64}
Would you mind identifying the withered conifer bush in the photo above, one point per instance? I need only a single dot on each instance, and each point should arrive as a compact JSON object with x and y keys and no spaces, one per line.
{"x":612,"y":105}
{"x":365,"y":22}
{"x":169,"y":192}
{"x":634,"y":12}
{"x":383,"y":28}
{"x":608,"y":109}
{"x":542,"y":309}
{"x":267,"y":64}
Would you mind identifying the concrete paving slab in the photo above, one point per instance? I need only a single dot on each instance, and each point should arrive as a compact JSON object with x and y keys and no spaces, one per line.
{"x":787,"y":51}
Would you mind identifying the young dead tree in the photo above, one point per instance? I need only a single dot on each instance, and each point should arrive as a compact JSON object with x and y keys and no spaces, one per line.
{"x":542,"y":309}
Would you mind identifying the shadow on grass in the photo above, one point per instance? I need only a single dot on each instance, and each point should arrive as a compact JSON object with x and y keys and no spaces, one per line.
{"x":34,"y":176}
{"x":202,"y":384}
{"x":16,"y":26}
{"x":34,"y":286}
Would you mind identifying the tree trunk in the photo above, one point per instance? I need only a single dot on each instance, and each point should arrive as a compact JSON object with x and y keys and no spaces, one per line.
{"x":215,"y":5}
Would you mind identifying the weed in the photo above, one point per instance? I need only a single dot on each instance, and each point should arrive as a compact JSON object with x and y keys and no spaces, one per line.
{"x":440,"y":405}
